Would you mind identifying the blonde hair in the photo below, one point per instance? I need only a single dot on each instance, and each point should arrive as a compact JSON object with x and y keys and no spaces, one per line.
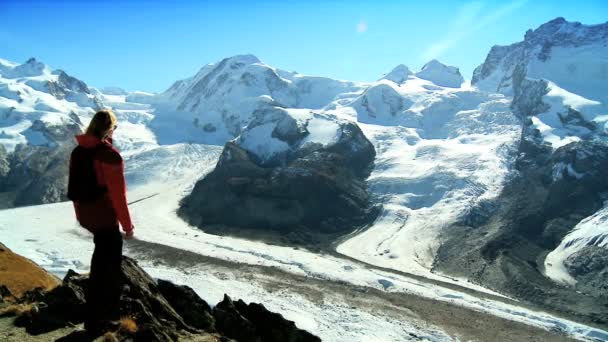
{"x":101,"y":123}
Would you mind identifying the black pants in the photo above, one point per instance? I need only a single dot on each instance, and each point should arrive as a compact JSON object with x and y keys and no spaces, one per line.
{"x":105,"y":281}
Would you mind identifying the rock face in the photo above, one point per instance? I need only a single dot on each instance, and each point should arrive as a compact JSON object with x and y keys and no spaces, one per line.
{"x":556,"y":182}
{"x":313,"y":188}
{"x":567,"y":53}
{"x":589,"y":266}
{"x":162,"y":311}
{"x":505,"y":248}
{"x":255,"y":323}
{"x":36,"y":174}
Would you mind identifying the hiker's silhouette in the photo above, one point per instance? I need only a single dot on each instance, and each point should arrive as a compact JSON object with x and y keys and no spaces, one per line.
{"x":98,"y":190}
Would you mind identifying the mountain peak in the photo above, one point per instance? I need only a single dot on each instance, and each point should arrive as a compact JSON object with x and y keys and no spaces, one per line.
{"x":245,"y":59}
{"x":559,"y":31}
{"x":32,"y":67}
{"x":441,"y":74}
{"x":399,"y":74}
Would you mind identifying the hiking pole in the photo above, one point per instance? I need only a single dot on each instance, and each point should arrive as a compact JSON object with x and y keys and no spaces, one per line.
{"x":141,"y":199}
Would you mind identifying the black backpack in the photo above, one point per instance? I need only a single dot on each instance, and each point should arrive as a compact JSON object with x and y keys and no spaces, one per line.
{"x":82,"y":182}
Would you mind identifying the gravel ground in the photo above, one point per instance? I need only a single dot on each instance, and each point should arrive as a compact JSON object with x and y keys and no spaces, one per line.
{"x":458,"y":322}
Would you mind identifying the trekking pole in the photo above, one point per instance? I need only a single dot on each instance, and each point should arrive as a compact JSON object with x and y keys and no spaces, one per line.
{"x":141,"y":199}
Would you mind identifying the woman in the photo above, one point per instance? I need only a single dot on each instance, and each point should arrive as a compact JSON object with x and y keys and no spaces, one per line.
{"x":101,"y":215}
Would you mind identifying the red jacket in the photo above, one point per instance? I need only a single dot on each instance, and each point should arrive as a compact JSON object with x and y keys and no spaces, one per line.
{"x":111,"y":208}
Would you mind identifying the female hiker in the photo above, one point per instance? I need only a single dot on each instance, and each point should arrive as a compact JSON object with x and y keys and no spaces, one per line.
{"x":98,"y":190}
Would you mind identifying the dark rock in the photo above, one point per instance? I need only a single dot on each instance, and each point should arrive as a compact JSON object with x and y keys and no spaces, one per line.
{"x":288,"y":130}
{"x":271,"y":326}
{"x":253,"y":323}
{"x":588,"y":259}
{"x":574,"y":117}
{"x":4,"y":164}
{"x":528,"y":94}
{"x":5,"y":292}
{"x":195,"y":311}
{"x":59,"y":307}
{"x":589,"y":266}
{"x":144,"y":300}
{"x":548,"y":195}
{"x":231,"y":323}
{"x":311,"y":190}
{"x":33,"y":175}
{"x":162,"y":311}
{"x":35,"y":295}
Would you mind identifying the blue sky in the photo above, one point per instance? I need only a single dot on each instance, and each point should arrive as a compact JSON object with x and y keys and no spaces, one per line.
{"x":147,"y":45}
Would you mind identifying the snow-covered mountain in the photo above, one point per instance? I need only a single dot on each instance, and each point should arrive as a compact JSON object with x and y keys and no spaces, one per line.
{"x":538,"y":229}
{"x":35,"y":101}
{"x":220,"y":100}
{"x":557,"y":76}
{"x":476,"y":183}
{"x":40,"y":111}
{"x":441,"y":74}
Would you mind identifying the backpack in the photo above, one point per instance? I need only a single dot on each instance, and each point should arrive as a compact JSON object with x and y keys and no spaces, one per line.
{"x":82,"y":181}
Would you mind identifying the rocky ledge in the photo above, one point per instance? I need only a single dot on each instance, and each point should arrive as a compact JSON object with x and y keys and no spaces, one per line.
{"x":157,"y":309}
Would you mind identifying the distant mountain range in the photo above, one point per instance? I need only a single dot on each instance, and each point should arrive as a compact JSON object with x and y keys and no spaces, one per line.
{"x":501,"y":181}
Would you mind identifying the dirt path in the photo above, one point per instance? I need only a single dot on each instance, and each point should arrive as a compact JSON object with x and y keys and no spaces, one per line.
{"x":460,"y":323}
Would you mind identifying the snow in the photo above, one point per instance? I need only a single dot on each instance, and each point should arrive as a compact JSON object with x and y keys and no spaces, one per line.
{"x":259,"y":141}
{"x":436,"y":158}
{"x":24,"y":101}
{"x":321,"y":131}
{"x":578,"y":70}
{"x":441,"y":74}
{"x":442,"y":152}
{"x":49,"y":235}
{"x":399,"y":74}
{"x":592,"y":230}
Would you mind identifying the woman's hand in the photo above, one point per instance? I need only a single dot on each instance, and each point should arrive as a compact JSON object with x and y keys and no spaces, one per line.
{"x":129,"y":234}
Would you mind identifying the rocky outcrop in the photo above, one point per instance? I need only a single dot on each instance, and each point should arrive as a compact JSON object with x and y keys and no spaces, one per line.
{"x":162,"y":311}
{"x":311,"y":190}
{"x":37,"y":175}
{"x":255,"y":323}
{"x":589,"y":266}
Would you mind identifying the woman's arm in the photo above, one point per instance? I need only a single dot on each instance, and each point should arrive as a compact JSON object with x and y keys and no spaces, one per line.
{"x":113,"y":171}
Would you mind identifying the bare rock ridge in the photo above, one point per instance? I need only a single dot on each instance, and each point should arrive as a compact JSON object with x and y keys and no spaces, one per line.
{"x":162,"y":311}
